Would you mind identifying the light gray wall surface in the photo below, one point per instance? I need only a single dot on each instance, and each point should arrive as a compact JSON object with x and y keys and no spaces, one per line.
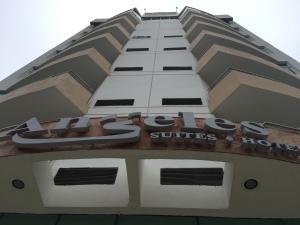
{"x":150,"y":86}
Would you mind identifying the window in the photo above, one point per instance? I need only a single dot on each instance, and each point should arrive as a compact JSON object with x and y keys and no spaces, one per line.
{"x":177,"y":68}
{"x":131,"y":68}
{"x":114,"y":102}
{"x":226,"y":18}
{"x":181,"y":101}
{"x":141,"y":36}
{"x":260,"y":47}
{"x":174,"y":48}
{"x":137,"y":49}
{"x":172,"y":36}
{"x":191,"y":176}
{"x":282,"y":63}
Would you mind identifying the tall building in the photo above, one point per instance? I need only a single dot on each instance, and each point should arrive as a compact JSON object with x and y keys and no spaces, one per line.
{"x":180,"y":118}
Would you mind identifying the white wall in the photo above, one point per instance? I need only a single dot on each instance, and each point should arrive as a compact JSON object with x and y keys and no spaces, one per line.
{"x":153,"y":194}
{"x":149,"y":86}
{"x":114,"y":195}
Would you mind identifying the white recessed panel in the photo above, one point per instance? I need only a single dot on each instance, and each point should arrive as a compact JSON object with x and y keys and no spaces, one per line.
{"x":148,"y":25}
{"x":141,"y":43}
{"x":152,"y":33}
{"x":175,"y":31}
{"x":171,"y":43}
{"x":173,"y":110}
{"x":170,"y":24}
{"x":124,"y":87}
{"x":134,"y":60}
{"x":112,"y":195}
{"x":153,"y":194}
{"x":170,"y":86}
{"x":184,"y":59}
{"x":119,"y":111}
{"x":174,"y":114}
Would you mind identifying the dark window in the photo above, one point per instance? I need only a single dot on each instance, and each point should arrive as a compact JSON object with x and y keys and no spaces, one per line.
{"x":114,"y":102}
{"x":131,"y":68}
{"x":85,"y":175}
{"x":177,"y":68}
{"x":226,"y":18}
{"x":282,"y":63}
{"x":172,"y":36}
{"x":141,"y":36}
{"x":136,"y":49}
{"x":181,"y":101}
{"x":175,"y":48}
{"x":261,"y":47}
{"x":191,"y":176}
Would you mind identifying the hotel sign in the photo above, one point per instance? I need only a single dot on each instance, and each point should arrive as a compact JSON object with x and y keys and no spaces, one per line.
{"x":159,"y":129}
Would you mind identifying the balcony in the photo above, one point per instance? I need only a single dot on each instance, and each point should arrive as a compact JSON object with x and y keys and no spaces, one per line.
{"x":239,"y":95}
{"x":198,"y":26}
{"x":123,"y":20}
{"x":206,"y":39}
{"x":105,"y":44}
{"x":88,"y":66}
{"x":131,"y":14}
{"x":191,"y":11}
{"x":195,"y":17}
{"x":47,"y":99}
{"x":214,"y":65}
{"x":116,"y":30}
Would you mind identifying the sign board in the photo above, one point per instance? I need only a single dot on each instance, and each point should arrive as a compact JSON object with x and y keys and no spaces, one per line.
{"x":183,"y":133}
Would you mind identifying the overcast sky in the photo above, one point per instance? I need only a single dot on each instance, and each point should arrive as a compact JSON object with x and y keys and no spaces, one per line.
{"x":31,"y":27}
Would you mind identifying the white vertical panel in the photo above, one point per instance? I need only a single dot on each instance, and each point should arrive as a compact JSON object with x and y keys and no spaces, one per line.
{"x":149,"y":86}
{"x":125,"y":87}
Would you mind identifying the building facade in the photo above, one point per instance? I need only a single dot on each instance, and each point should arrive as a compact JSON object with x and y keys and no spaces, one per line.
{"x":173,"y":114}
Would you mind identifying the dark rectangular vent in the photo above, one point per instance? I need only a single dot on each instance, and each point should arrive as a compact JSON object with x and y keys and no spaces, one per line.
{"x":131,"y":68}
{"x":191,"y":176}
{"x":141,"y":36}
{"x":175,"y":48}
{"x":181,"y":101}
{"x":172,"y":36}
{"x":177,"y":68}
{"x":114,"y":102}
{"x":137,"y":49}
{"x":85,"y":176}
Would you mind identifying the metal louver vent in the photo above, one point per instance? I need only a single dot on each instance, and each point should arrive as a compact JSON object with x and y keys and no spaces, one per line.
{"x":192,"y":176}
{"x":85,"y":176}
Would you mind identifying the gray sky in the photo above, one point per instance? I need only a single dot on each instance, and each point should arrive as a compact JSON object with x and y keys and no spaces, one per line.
{"x":31,"y":27}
